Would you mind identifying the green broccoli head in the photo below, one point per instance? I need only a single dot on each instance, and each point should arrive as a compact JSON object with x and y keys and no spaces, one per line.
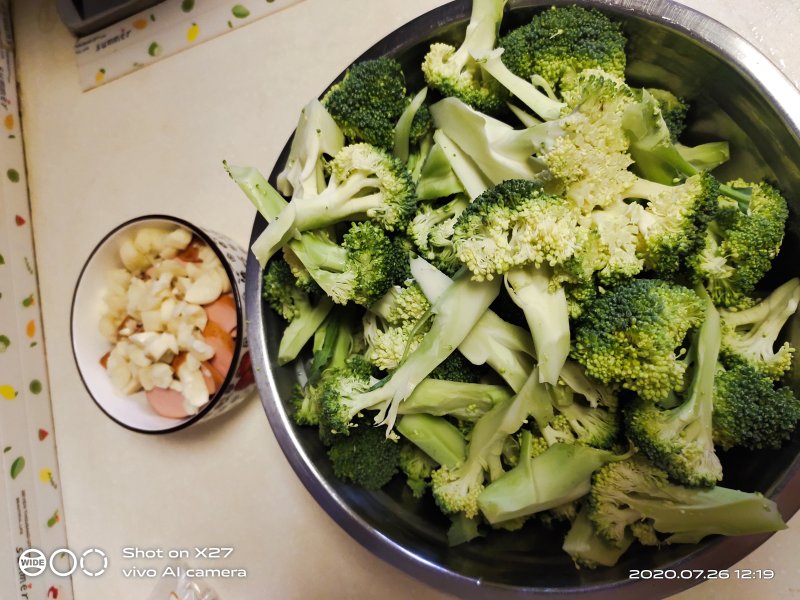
{"x":457,"y":368}
{"x":673,"y":109}
{"x":344,"y":396}
{"x":417,"y":467}
{"x":673,"y":224}
{"x":366,"y":264}
{"x":751,"y":335}
{"x":593,"y":426}
{"x":368,"y":101}
{"x":633,"y":491}
{"x":453,"y":72}
{"x":366,"y":457}
{"x":563,"y":41}
{"x":631,"y":335}
{"x":431,"y":229}
{"x":513,"y":224}
{"x":281,"y":291}
{"x":749,"y":411}
{"x":744,"y":237}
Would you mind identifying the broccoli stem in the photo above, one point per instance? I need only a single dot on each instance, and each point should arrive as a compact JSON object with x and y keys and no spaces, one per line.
{"x":300,"y":330}
{"x":466,"y":401}
{"x":268,"y":202}
{"x":588,"y":548}
{"x":705,"y":157}
{"x":540,"y":103}
{"x":561,"y":474}
{"x":481,"y":34}
{"x":455,"y":313}
{"x":467,"y":172}
{"x":437,"y":178}
{"x":402,"y":131}
{"x":547,"y":313}
{"x":646,"y":190}
{"x":435,"y":436}
{"x":338,"y":202}
{"x":506,"y":348}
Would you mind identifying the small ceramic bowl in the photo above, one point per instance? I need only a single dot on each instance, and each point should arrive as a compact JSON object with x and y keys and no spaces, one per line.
{"x":88,"y":345}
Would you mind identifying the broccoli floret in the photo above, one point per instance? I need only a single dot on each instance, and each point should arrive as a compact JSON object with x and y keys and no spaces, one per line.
{"x":361,"y":269}
{"x":453,"y":72}
{"x":680,"y":439}
{"x":629,"y":336}
{"x":633,"y":491}
{"x":462,"y":529}
{"x":743,"y":238}
{"x":518,"y":230}
{"x":673,"y":110}
{"x":393,"y":327}
{"x":453,"y":315}
{"x":563,"y":41}
{"x":751,"y":335}
{"x":439,"y":439}
{"x":588,"y":549}
{"x":539,"y":102}
{"x":365,"y":182}
{"x":673,"y":224}
{"x":295,"y":306}
{"x":366,"y":457}
{"x":368,"y":101}
{"x":456,"y":368}
{"x":344,"y":397}
{"x":417,"y":467}
{"x":559,"y":475}
{"x":316,"y":137}
{"x":609,"y":252}
{"x":432,"y":232}
{"x":456,"y":489}
{"x":750,"y":412}
{"x":437,"y":178}
{"x":597,"y":427}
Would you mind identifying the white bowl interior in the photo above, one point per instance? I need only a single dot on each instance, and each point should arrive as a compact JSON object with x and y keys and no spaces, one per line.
{"x":89,"y":345}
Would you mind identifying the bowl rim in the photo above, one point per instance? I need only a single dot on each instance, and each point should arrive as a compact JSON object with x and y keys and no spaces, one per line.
{"x":760,"y":73}
{"x":238,"y":342}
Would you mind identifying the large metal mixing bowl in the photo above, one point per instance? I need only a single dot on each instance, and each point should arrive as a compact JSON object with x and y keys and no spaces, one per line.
{"x":738,"y":95}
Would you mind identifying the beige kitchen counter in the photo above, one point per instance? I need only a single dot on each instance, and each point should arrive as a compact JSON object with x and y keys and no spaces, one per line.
{"x":153,"y":142}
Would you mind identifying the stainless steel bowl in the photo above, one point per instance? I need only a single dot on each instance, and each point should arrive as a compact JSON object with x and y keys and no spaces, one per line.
{"x":738,"y":95}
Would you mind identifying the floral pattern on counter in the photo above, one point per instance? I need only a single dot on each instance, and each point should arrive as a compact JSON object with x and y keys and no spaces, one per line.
{"x":29,"y":480}
{"x":164,"y":30}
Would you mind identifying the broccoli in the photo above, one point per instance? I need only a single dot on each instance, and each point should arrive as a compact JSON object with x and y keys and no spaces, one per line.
{"x":453,"y":72}
{"x":462,"y":529}
{"x":361,"y":269}
{"x":673,"y":110}
{"x":588,"y":549}
{"x":522,"y":89}
{"x":608,"y":251}
{"x":749,"y":411}
{"x":417,"y":467}
{"x":393,"y":326}
{"x":368,"y":101}
{"x":337,"y":341}
{"x":705,"y":157}
{"x":452,"y":317}
{"x":629,"y":336}
{"x":750,"y":335}
{"x":466,"y":401}
{"x":412,"y":125}
{"x":559,"y":475}
{"x":563,"y":41}
{"x":593,"y":426}
{"x":516,"y":229}
{"x":365,"y":182}
{"x":673,"y":224}
{"x":680,"y":439}
{"x":439,"y":439}
{"x":633,"y":496}
{"x":457,"y":368}
{"x":432,"y":230}
{"x":366,"y":457}
{"x":437,"y":178}
{"x":304,"y":316}
{"x":456,"y":489}
{"x":316,"y":136}
{"x":743,"y":238}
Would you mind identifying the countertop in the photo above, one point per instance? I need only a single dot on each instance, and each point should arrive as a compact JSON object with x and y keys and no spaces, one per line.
{"x":153,"y":142}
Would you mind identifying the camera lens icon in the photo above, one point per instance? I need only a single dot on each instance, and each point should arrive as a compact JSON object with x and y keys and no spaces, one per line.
{"x":63,"y":562}
{"x":32,"y":562}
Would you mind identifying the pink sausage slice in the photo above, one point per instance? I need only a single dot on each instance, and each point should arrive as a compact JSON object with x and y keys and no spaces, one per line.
{"x":223,"y":312}
{"x":222,"y":343}
{"x":167,"y":403}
